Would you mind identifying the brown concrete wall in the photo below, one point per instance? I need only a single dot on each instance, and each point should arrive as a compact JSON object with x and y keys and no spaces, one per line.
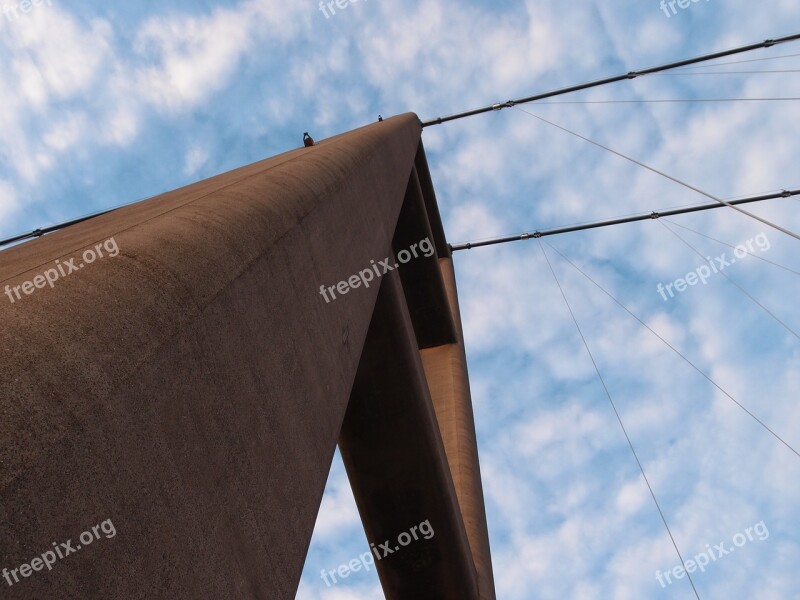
{"x":396,"y":463}
{"x":448,"y":380}
{"x":191,"y":389}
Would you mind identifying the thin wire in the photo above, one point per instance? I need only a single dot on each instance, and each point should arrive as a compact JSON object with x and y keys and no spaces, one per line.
{"x":725,"y":275}
{"x":539,"y":233}
{"x":746,"y":195}
{"x":667,"y":101}
{"x":727,"y":72}
{"x":36,"y":233}
{"x":790,"y":192}
{"x":676,"y":351}
{"x":670,"y":177}
{"x":737,"y":62}
{"x":614,"y":79}
{"x":619,"y":418}
{"x":766,"y":260}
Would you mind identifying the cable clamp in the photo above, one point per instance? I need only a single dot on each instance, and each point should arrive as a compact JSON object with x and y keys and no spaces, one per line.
{"x":654,"y":215}
{"x":37,"y":233}
{"x":786,"y":194}
{"x":537,"y":234}
{"x":525,"y":236}
{"x":769,"y":43}
{"x":632,"y":75}
{"x":510,"y":104}
{"x":497,"y":106}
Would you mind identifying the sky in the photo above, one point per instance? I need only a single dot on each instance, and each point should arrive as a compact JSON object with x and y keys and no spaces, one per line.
{"x":107,"y":103}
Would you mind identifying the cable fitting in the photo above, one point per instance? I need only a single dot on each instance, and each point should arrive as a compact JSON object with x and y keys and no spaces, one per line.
{"x":37,"y":233}
{"x":537,"y":234}
{"x":632,"y":75}
{"x":769,"y":43}
{"x":786,"y":194}
{"x":654,"y":215}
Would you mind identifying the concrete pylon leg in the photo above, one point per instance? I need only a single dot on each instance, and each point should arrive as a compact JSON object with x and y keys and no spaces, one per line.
{"x":398,"y":470}
{"x":448,"y":381}
{"x":191,"y":389}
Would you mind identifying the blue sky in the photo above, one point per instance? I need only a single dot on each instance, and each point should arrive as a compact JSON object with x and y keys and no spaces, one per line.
{"x":104,"y":104}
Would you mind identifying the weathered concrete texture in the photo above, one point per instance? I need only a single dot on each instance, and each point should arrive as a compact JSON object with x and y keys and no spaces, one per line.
{"x":446,"y":372}
{"x":396,"y":463}
{"x":408,"y":439}
{"x":423,"y":285}
{"x":431,"y":205}
{"x":192,"y":388}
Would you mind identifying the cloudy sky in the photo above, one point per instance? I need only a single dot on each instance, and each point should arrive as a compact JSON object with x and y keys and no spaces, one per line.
{"x":107,"y":103}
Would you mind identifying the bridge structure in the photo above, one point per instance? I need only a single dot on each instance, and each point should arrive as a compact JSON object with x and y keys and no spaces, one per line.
{"x":192,"y":387}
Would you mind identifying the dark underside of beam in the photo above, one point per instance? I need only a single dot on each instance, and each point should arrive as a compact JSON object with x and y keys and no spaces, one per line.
{"x":398,"y":470}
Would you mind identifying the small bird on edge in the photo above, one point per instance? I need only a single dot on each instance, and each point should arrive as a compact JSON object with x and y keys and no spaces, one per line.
{"x":308,"y":141}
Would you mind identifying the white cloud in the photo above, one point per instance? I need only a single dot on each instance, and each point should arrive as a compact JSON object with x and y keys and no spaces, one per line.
{"x":193,"y":57}
{"x":196,"y":156}
{"x":568,"y":513}
{"x":8,"y":200}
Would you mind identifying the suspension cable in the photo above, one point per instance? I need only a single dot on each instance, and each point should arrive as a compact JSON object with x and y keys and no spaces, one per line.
{"x":614,"y":79}
{"x":676,"y":351}
{"x":663,"y":174}
{"x":619,"y":221}
{"x":619,"y":418}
